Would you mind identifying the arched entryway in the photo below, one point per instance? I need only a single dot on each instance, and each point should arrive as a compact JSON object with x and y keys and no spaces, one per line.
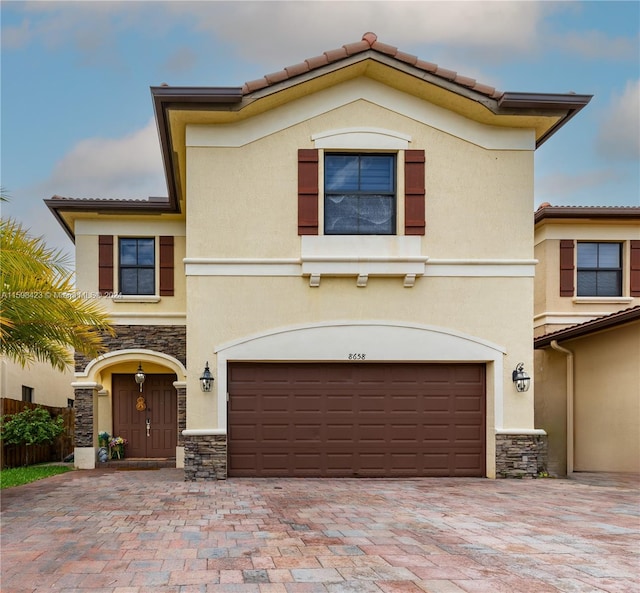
{"x":109,"y":400}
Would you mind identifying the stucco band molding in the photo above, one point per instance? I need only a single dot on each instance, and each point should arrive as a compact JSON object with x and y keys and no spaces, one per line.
{"x":204,"y":432}
{"x":349,"y":265}
{"x":86,"y":385}
{"x":521,"y":431}
{"x":361,"y":139}
{"x":565,"y":318}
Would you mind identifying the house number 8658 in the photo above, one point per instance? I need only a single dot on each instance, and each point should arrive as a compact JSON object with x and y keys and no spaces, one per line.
{"x":358,"y":356}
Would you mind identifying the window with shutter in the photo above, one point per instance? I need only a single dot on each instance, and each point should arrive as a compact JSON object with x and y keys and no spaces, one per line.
{"x":137,"y":265}
{"x":599,"y":269}
{"x":414,"y":192}
{"x":166,"y":266}
{"x":360,"y":193}
{"x":105,"y":264}
{"x":634,"y":271}
{"x":567,"y":267}
{"x":307,"y":192}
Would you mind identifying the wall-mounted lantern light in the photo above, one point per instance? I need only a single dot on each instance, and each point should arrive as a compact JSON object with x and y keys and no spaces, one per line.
{"x":520,"y":378}
{"x":140,"y":376}
{"x":206,"y":381}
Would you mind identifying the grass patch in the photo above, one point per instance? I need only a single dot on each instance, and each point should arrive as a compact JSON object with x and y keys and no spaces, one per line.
{"x":17,"y":476}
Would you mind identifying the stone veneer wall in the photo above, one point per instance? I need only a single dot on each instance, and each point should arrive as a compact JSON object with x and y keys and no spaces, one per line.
{"x":520,"y":455}
{"x":169,"y":339}
{"x":205,"y":458}
{"x":182,"y":413}
{"x":83,"y":417}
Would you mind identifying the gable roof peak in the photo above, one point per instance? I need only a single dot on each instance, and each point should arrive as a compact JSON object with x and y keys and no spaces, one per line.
{"x":370,"y":38}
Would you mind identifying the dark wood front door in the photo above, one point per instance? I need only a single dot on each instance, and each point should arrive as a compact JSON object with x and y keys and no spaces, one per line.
{"x":160,"y":415}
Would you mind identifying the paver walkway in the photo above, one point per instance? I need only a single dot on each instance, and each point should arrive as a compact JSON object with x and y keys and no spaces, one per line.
{"x":149,"y":531}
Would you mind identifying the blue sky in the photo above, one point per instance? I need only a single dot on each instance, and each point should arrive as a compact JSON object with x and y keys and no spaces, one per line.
{"x":76,"y":111}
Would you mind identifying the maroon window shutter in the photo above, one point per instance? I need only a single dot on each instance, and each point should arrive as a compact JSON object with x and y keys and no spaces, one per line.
{"x":166,"y":266}
{"x":634,"y":272}
{"x":105,"y":264}
{"x":414,"y":192}
{"x":307,"y":191}
{"x":567,"y":267}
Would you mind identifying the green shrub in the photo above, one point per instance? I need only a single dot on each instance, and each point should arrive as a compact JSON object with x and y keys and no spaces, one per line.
{"x":30,"y":427}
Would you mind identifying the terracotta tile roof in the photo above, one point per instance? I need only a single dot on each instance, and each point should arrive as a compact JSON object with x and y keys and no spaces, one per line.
{"x":546,"y":210}
{"x":369,"y":42}
{"x":588,"y":327}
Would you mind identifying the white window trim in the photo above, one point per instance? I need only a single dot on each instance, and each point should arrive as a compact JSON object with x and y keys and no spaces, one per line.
{"x":361,"y":138}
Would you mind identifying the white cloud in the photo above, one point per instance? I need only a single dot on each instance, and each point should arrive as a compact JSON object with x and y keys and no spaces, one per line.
{"x":275,"y":32}
{"x":619,"y":132}
{"x":562,"y":189}
{"x":310,"y":28}
{"x":127,"y":167}
{"x":598,"y":45}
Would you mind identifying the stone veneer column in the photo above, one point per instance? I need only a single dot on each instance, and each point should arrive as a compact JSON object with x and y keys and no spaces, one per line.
{"x":205,"y":455}
{"x":181,"y":389}
{"x":521,"y":455}
{"x":84,"y":453}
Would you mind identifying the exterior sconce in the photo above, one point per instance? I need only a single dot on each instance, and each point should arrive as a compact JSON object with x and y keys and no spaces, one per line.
{"x":140,"y":376}
{"x":206,"y":381}
{"x":520,"y":378}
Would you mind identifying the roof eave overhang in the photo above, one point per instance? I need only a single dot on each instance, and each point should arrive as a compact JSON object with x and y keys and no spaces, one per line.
{"x":586,"y":212}
{"x":165,"y":98}
{"x":59,"y":206}
{"x":560,"y":107}
{"x":565,"y":105}
{"x":589,"y":327}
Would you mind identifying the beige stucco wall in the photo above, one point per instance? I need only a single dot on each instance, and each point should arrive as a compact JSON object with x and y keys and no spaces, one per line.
{"x":606,"y":403}
{"x":242,"y":207}
{"x":242,"y":200}
{"x":50,"y":387}
{"x":553,"y":312}
{"x":165,"y":310}
{"x":228,"y":309}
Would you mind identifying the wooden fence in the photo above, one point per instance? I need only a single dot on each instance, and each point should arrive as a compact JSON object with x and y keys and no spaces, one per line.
{"x":14,"y":455}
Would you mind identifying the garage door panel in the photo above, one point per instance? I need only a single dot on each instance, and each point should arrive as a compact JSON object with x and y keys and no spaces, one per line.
{"x":272,"y":433}
{"x":468,"y":434}
{"x":437,"y":403}
{"x":371,"y":433}
{"x":357,"y":419}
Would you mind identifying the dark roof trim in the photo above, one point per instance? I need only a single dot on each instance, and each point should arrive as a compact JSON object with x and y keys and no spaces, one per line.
{"x":589,"y":327}
{"x":58,"y":204}
{"x":569,"y":103}
{"x":166,"y":97}
{"x":587,"y":212}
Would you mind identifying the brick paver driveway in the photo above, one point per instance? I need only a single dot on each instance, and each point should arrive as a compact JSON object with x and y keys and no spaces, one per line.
{"x":149,"y":531}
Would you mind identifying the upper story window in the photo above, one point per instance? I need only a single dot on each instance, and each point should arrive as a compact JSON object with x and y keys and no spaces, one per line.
{"x":137,"y":265}
{"x":599,"y":269}
{"x":359,"y":194}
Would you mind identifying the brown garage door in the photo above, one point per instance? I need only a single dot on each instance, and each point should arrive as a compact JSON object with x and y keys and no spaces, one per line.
{"x":356,"y":419}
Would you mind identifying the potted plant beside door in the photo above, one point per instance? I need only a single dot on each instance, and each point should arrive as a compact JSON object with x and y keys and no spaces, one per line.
{"x":103,"y":444}
{"x":116,"y":447}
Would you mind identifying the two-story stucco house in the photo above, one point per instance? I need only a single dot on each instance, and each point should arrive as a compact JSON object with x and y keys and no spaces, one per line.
{"x":347,"y":247}
{"x":587,"y":337}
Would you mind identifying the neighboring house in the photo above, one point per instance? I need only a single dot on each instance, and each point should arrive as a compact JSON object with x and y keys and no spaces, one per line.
{"x":347,"y":246}
{"x":587,"y":328}
{"x":38,"y":383}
